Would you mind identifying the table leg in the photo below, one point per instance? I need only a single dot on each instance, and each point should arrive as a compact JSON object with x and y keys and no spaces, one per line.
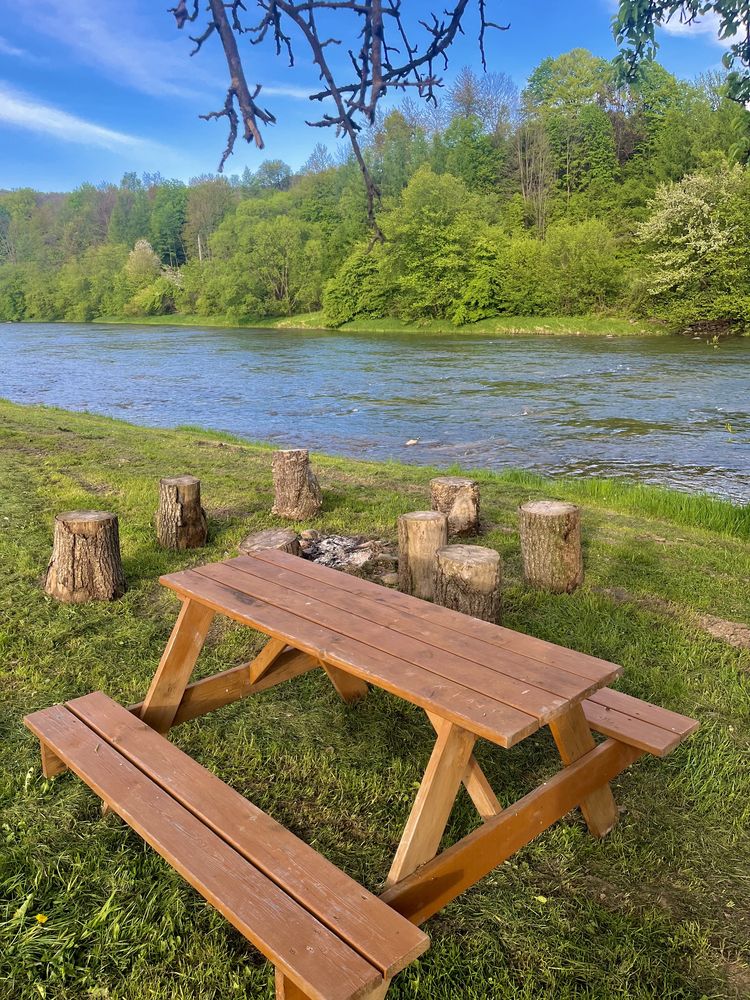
{"x":475,"y":781}
{"x":176,"y":665}
{"x":349,"y":687}
{"x":573,"y":738}
{"x":434,"y":801}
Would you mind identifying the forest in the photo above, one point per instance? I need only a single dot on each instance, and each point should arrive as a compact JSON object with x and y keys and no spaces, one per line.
{"x":578,"y":195}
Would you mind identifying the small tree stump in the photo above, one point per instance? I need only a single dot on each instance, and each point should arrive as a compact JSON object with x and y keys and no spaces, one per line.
{"x":459,"y":499}
{"x":297,"y":493}
{"x":283,"y":539}
{"x":468,"y":579}
{"x":180,"y":520}
{"x":551,"y":545}
{"x":420,"y":535}
{"x":85,"y":563}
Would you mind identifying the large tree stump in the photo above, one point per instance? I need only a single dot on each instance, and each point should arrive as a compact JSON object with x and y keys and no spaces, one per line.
{"x":297,"y":493}
{"x":180,"y":520}
{"x":468,"y":579}
{"x":420,"y":535}
{"x":459,"y":499}
{"x":551,"y":545}
{"x":85,"y":563}
{"x":283,"y":539}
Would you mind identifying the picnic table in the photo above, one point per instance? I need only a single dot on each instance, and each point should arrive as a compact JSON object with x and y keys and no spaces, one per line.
{"x":472,"y":678}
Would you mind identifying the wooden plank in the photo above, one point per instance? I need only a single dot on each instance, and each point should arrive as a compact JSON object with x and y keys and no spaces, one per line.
{"x":214,"y":692}
{"x":484,"y":681}
{"x":524,"y":669}
{"x":493,"y":720}
{"x":286,"y":990}
{"x":434,"y":802}
{"x":546,"y":652}
{"x":654,"y":714}
{"x":51,"y":763}
{"x":456,"y":869}
{"x":349,"y":688}
{"x":480,"y":790}
{"x":474,"y":780}
{"x":176,"y":665}
{"x":287,"y":934}
{"x":623,"y":727}
{"x":574,"y":740}
{"x":265,"y":659}
{"x":358,"y":917}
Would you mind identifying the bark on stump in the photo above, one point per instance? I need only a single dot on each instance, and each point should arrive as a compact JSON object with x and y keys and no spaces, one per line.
{"x":468,"y":579}
{"x":85,"y":563}
{"x":551,"y":545}
{"x":459,"y":499}
{"x":180,"y":520}
{"x":282,"y":539}
{"x":420,"y":535}
{"x":297,"y":493}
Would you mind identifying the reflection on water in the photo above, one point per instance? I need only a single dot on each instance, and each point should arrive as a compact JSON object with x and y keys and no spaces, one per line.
{"x":661,"y":410}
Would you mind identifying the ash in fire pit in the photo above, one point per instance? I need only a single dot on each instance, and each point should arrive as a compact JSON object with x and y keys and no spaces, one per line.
{"x":366,"y":557}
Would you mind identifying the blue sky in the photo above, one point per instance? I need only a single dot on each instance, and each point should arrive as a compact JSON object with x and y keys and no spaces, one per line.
{"x":90,"y":89}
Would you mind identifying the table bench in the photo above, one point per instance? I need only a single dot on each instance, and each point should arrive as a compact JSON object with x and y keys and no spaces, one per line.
{"x":473,"y":679}
{"x":327,"y":936}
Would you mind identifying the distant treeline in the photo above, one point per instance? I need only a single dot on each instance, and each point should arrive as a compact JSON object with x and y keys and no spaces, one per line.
{"x":576,"y":195}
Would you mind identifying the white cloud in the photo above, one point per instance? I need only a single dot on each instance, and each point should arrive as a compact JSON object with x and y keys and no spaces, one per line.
{"x":706,"y":25}
{"x":123,"y":46}
{"x":25,"y":112}
{"x":7,"y":49}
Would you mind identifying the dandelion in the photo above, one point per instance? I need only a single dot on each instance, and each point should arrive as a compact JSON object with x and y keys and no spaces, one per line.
{"x":41,"y":918}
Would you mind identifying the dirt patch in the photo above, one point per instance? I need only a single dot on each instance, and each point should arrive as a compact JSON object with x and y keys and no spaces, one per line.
{"x":734,"y":633}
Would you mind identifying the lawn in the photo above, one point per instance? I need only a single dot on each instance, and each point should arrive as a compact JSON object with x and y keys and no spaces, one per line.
{"x":660,"y":908}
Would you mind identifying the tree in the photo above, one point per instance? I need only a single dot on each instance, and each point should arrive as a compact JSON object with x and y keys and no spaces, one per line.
{"x":130,"y":213}
{"x":209,"y":199}
{"x":535,"y":172}
{"x":635,"y":25}
{"x":383,"y":55}
{"x":697,"y":239}
{"x":168,"y":215}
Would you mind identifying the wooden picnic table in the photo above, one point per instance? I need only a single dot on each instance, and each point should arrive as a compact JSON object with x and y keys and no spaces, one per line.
{"x":473,"y":679}
{"x":329,"y":938}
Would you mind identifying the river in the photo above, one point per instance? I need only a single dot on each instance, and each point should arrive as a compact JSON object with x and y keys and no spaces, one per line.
{"x":664,"y":410}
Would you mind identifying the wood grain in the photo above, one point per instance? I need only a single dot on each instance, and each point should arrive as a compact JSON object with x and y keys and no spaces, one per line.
{"x":573,"y":737}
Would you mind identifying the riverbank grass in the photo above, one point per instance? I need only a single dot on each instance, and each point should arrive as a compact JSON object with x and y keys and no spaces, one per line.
{"x":612,"y":326}
{"x":660,"y":908}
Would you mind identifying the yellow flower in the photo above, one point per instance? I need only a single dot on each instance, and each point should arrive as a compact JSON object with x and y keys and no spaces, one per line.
{"x":41,"y":918}
{"x":540,"y":899}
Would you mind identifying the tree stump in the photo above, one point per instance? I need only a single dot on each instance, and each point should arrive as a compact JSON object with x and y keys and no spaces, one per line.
{"x":459,"y":499}
{"x":420,"y":535}
{"x":283,"y":539}
{"x":551,"y":545}
{"x":85,"y":563}
{"x":180,"y":520}
{"x":297,"y":493}
{"x":468,"y":579}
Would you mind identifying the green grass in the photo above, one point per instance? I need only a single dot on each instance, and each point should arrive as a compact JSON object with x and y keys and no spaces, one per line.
{"x":660,"y":908}
{"x":502,"y":325}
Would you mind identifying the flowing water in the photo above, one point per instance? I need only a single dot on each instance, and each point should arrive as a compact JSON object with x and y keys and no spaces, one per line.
{"x":662,"y":410}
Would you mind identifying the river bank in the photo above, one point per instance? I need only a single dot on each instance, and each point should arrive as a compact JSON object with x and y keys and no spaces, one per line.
{"x":567,"y":908}
{"x":549,"y":326}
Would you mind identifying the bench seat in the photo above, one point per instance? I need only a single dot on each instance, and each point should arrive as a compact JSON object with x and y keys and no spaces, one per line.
{"x":652,"y":729}
{"x":329,"y":938}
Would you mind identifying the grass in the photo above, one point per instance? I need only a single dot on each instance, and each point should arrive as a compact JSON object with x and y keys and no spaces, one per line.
{"x":616,"y":326}
{"x":660,"y":908}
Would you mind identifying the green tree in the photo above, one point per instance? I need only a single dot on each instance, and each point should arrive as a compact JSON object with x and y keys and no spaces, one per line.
{"x":168,"y":215}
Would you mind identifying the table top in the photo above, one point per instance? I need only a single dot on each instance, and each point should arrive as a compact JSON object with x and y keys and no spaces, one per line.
{"x":497,"y":683}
